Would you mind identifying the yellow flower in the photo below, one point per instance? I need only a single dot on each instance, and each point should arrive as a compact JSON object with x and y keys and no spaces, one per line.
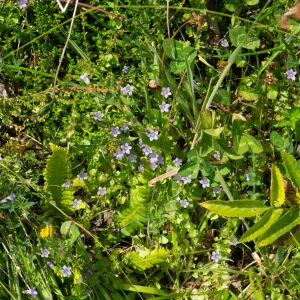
{"x":46,"y":231}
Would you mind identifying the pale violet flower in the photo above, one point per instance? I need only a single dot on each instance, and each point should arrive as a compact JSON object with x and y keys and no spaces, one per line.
{"x":98,"y":115}
{"x":224,"y":43}
{"x":124,"y":127}
{"x":164,"y":107}
{"x":176,"y":177}
{"x":217,"y":190}
{"x":160,"y":160}
{"x":50,"y":265}
{"x":127,"y":90}
{"x":246,"y":175}
{"x":66,"y":271}
{"x":153,"y":157}
{"x":76,"y":203}
{"x":66,"y":184}
{"x":217,"y":155}
{"x":45,"y":252}
{"x":119,"y":154}
{"x":166,"y":92}
{"x":141,"y":168}
{"x":153,"y":135}
{"x":177,"y":162}
{"x":216,"y":256}
{"x":115,"y":131}
{"x":177,"y":198}
{"x":125,"y":69}
{"x":101,"y":191}
{"x":205,"y":182}
{"x":186,"y":179}
{"x":291,"y":74}
{"x":11,"y":196}
{"x":82,"y":175}
{"x":85,"y":78}
{"x":132,"y":158}
{"x":153,"y":166}
{"x":22,"y":3}
{"x":125,"y":148}
{"x":184,"y":203}
{"x":32,"y":292}
{"x":234,"y":241}
{"x":146,"y":149}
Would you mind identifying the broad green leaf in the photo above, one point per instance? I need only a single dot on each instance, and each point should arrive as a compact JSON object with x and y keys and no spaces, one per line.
{"x":276,"y":139}
{"x":251,"y":2}
{"x":288,"y":221}
{"x":277,"y":194}
{"x":291,"y":168}
{"x":243,"y":145}
{"x":239,"y":36}
{"x":268,"y":219}
{"x":254,"y":144}
{"x":235,"y":208}
{"x":248,"y":94}
{"x":214,"y":132}
{"x":188,"y":168}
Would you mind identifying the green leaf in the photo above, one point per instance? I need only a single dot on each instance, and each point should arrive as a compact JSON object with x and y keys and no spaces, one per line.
{"x":277,"y":193}
{"x":291,"y":168}
{"x":255,"y":145}
{"x":268,"y":219}
{"x":243,"y":145}
{"x":288,"y":221}
{"x":251,"y":2}
{"x":70,"y":231}
{"x":188,"y":168}
{"x":276,"y":139}
{"x":248,"y":94}
{"x":239,"y":36}
{"x":214,"y":132}
{"x":235,"y":208}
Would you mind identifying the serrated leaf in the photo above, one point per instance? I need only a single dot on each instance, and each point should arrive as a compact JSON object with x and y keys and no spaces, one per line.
{"x":236,"y":208}
{"x":214,"y":132}
{"x":269,"y":218}
{"x":291,"y":168}
{"x":277,"y":194}
{"x":288,"y":221}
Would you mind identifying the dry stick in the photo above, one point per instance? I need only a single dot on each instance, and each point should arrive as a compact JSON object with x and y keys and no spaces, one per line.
{"x":97,"y":9}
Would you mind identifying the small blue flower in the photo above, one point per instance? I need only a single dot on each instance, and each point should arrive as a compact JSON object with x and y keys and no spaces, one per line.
{"x":186,"y":179}
{"x":177,"y":162}
{"x":66,"y":184}
{"x":119,"y":154}
{"x":141,"y":168}
{"x":101,"y":191}
{"x":217,"y":190}
{"x":125,"y":69}
{"x":66,"y":271}
{"x":127,"y":90}
{"x":166,"y":92}
{"x":184,"y":203}
{"x":291,"y":74}
{"x":125,"y":148}
{"x":164,"y":107}
{"x":234,"y":241}
{"x":82,"y":175}
{"x":115,"y":131}
{"x":45,"y":252}
{"x":85,"y":78}
{"x":124,"y":127}
{"x":146,"y":149}
{"x":98,"y":115}
{"x":49,"y":265}
{"x":176,"y":177}
{"x":153,"y":166}
{"x":246,"y":175}
{"x":11,"y":197}
{"x":153,"y":135}
{"x":217,"y":155}
{"x":205,"y":182}
{"x":216,"y":256}
{"x":76,"y":203}
{"x":32,"y":292}
{"x":224,"y":43}
{"x":22,"y":3}
{"x":132,"y":158}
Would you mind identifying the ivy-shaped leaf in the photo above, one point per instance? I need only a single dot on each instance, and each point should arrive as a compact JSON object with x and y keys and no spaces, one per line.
{"x":277,"y":194}
{"x":148,"y":259}
{"x":269,"y":218}
{"x":288,"y":221}
{"x":236,"y":208}
{"x":291,"y":168}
